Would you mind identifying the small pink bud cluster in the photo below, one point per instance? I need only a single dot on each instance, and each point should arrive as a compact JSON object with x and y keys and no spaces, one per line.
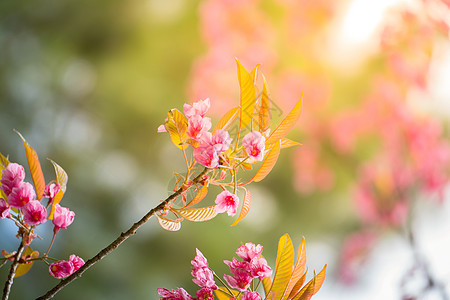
{"x":64,"y":268}
{"x":252,"y":266}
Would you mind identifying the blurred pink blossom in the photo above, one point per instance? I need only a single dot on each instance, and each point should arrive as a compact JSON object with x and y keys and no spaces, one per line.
{"x":4,"y":209}
{"x":179,"y":294}
{"x":250,"y":296}
{"x":205,"y":294}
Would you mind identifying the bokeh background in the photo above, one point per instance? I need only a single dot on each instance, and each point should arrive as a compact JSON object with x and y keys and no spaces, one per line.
{"x":88,"y":83}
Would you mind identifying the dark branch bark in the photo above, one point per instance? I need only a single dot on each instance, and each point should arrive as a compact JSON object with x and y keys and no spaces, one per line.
{"x":122,"y":237}
{"x":12,"y":271}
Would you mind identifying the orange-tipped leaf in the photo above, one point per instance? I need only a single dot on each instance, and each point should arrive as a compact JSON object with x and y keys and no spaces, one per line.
{"x":299,"y":269}
{"x":199,"y":197}
{"x":245,"y":206}
{"x":170,"y":225}
{"x":286,"y":125}
{"x":35,"y":168}
{"x":197,"y":214}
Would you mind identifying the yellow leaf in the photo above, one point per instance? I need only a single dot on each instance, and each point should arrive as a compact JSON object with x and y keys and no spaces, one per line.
{"x":245,"y":207}
{"x":283,"y":267}
{"x":320,"y":279}
{"x":61,"y":175}
{"x":247,"y":95}
{"x":4,"y":162}
{"x":298,"y":286}
{"x":199,"y":197}
{"x":170,"y":225}
{"x":267,"y":284}
{"x":227,"y":119}
{"x":286,"y":143}
{"x":22,"y":269}
{"x":286,"y":125}
{"x":197,"y":214}
{"x":254,"y":73}
{"x":176,"y":125}
{"x":299,"y":270}
{"x":307,"y":291}
{"x":224,"y":296}
{"x":264,"y":110}
{"x":268,"y":163}
{"x":35,"y":168}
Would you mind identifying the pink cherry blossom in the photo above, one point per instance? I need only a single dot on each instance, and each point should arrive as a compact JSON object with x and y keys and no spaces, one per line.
{"x":206,"y":156}
{"x":205,"y":294}
{"x":254,"y":144}
{"x":248,"y":251}
{"x":21,"y":195}
{"x":250,"y":296}
{"x":240,"y":280}
{"x":200,"y":260}
{"x":260,"y":268}
{"x":237,"y":264}
{"x":51,"y":190}
{"x":4,"y":209}
{"x":221,"y":140}
{"x":204,"y":277}
{"x":12,"y":176}
{"x":179,"y":294}
{"x":62,"y":217}
{"x":77,"y":262}
{"x":34,"y":213}
{"x":198,"y":108}
{"x":61,"y":269}
{"x":226,"y":202}
{"x":197,"y":125}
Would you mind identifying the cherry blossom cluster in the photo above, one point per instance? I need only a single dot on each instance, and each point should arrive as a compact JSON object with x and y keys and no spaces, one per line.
{"x":252,"y":266}
{"x":19,"y":203}
{"x":215,"y":150}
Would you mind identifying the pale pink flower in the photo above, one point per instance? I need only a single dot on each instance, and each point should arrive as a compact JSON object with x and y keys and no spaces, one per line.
{"x":260,"y":268}
{"x":221,"y":140}
{"x":61,"y":269}
{"x":21,"y":195}
{"x":204,"y":277}
{"x":248,"y":251}
{"x":4,"y":209}
{"x":250,"y":296}
{"x":179,"y":294}
{"x":62,"y":217}
{"x":240,"y":280}
{"x":197,"y":125}
{"x":34,"y":213}
{"x":197,"y":108}
{"x":254,"y":144}
{"x":200,"y":260}
{"x":205,"y":294}
{"x":77,"y":262}
{"x":51,"y":190}
{"x":207,"y":156}
{"x":12,"y":176}
{"x":226,"y":202}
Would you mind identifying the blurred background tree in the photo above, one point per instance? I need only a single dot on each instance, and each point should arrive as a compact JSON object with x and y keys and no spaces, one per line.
{"x":87,"y":83}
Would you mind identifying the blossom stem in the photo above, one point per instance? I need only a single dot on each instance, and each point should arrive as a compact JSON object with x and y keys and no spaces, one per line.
{"x":119,"y":240}
{"x":51,"y":244}
{"x":224,"y":284}
{"x":12,"y":271}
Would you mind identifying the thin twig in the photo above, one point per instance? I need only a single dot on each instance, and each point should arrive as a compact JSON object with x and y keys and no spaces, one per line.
{"x":12,"y":271}
{"x":119,"y":240}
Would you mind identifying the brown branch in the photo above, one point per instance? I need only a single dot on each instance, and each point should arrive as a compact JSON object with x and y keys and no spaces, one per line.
{"x":119,"y":240}
{"x":12,"y":271}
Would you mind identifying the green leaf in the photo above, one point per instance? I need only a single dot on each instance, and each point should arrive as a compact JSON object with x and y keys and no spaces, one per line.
{"x":286,"y":125}
{"x":247,"y":95}
{"x":197,"y":214}
{"x":35,"y":168}
{"x":176,"y":125}
{"x":283,"y":267}
{"x":167,"y":224}
{"x":22,"y":269}
{"x":245,"y":206}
